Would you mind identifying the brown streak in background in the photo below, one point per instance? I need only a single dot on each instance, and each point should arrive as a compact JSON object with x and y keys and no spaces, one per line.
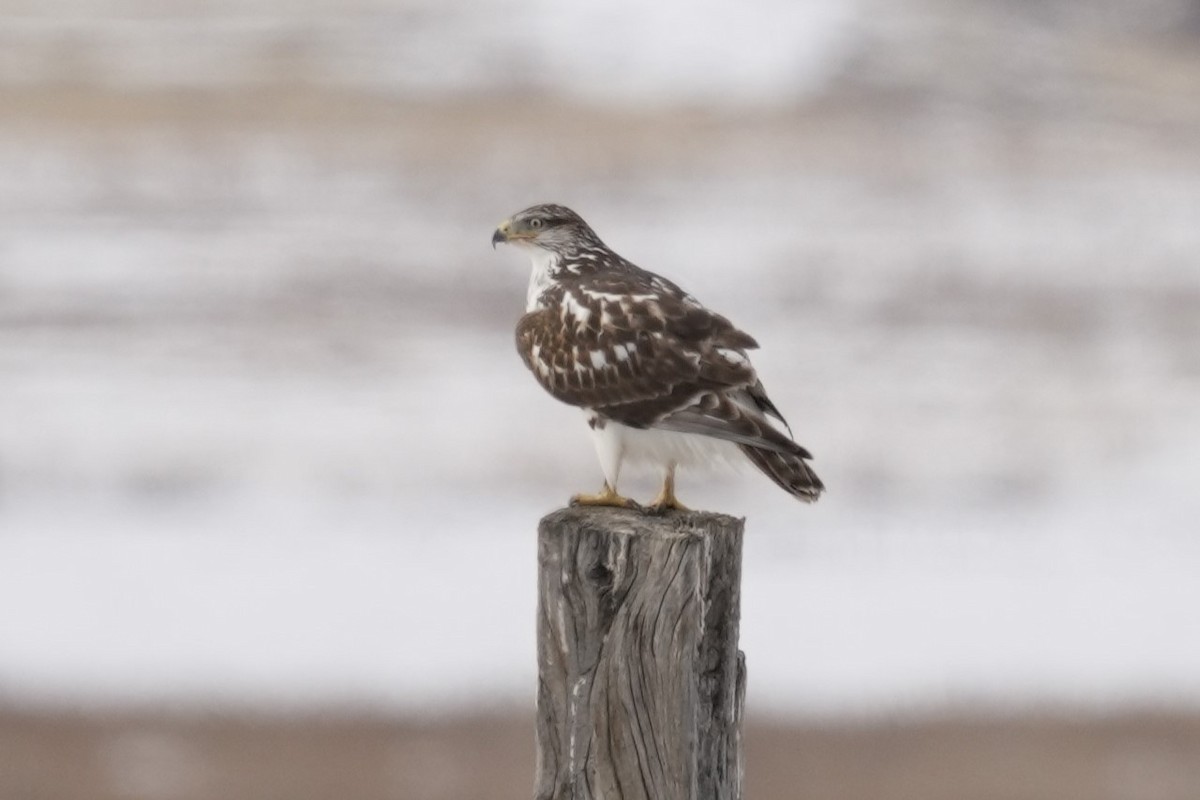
{"x":69,"y":756}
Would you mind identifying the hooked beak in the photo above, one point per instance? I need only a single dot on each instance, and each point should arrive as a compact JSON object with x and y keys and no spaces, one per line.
{"x":502,"y":233}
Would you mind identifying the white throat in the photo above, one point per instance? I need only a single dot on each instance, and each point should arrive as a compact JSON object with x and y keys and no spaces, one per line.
{"x":544,"y":263}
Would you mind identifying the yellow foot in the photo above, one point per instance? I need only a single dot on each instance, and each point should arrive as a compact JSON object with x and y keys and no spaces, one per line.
{"x":666,"y":500}
{"x":607,"y":497}
{"x":662,"y":505}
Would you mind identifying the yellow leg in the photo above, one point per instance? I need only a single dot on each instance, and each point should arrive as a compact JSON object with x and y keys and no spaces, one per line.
{"x":607,"y":497}
{"x":666,"y":499}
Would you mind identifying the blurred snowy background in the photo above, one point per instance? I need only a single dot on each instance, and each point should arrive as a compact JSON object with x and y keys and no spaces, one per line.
{"x":265,"y":442}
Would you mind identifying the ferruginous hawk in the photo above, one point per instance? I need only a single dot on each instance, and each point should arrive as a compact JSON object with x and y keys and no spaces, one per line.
{"x":659,"y":377}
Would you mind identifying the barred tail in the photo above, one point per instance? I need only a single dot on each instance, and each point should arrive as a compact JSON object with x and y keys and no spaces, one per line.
{"x":789,"y":470}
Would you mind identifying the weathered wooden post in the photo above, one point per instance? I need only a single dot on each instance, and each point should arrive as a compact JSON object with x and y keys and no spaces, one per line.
{"x":640,"y":680}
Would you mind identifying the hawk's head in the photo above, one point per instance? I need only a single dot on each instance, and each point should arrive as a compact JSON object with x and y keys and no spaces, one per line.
{"x":546,"y":226}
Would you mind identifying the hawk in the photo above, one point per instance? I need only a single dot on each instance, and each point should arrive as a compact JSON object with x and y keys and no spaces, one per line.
{"x":660,"y":378}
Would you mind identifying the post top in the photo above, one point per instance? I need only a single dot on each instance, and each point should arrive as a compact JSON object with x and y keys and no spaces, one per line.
{"x":632,"y":521}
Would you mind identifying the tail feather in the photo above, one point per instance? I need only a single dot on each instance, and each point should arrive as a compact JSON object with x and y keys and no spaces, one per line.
{"x":758,"y":395}
{"x":735,"y":417}
{"x":741,"y":417}
{"x":789,"y":471}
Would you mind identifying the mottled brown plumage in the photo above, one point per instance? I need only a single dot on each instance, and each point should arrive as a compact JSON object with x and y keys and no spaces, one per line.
{"x":634,"y":349}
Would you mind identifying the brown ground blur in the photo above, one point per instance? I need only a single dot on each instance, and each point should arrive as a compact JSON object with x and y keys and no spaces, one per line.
{"x":67,"y":756}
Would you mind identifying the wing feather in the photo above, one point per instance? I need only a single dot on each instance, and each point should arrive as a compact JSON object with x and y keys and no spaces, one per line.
{"x":602,"y":343}
{"x":640,"y":351}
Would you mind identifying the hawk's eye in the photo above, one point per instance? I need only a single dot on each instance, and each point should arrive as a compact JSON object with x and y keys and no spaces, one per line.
{"x":535,"y":223}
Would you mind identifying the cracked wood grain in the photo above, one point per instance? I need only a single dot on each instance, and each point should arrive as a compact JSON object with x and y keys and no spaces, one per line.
{"x":640,"y":681}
